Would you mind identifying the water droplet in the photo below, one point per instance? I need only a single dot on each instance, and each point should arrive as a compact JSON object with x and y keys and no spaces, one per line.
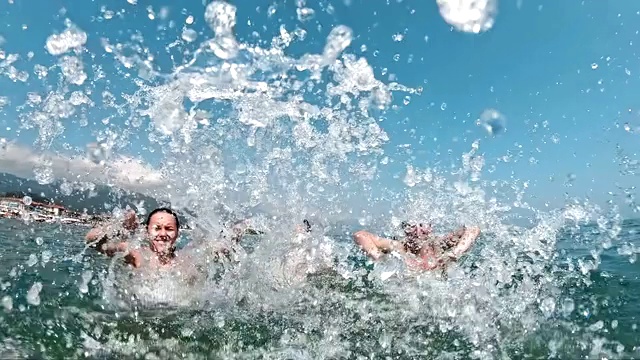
{"x":71,"y":38}
{"x":27,"y":200}
{"x":189,"y":20}
{"x":567,"y":306}
{"x":305,"y":14}
{"x":397,"y":37}
{"x":548,"y":306}
{"x":339,"y":39}
{"x":594,"y":66}
{"x":221,"y":17}
{"x":443,"y":106}
{"x":46,"y":256}
{"x":33,"y":259}
{"x":33,"y":295}
{"x":43,"y":174}
{"x":492,"y":121}
{"x":39,"y":240}
{"x":7,"y":303}
{"x":407,"y":100}
{"x":472,"y":16}
{"x":98,"y":152}
{"x":189,"y":35}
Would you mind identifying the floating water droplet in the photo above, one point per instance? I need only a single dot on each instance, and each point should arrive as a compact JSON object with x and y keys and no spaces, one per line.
{"x":305,"y":14}
{"x":73,"y":69}
{"x":598,"y":325}
{"x":33,"y":259}
{"x":443,"y":106}
{"x":43,"y":174}
{"x":26,"y":200}
{"x":594,"y":66}
{"x":492,"y":121}
{"x":4,"y":101}
{"x":98,"y":152}
{"x":39,"y":241}
{"x":84,"y":284}
{"x":221,"y":17}
{"x":472,"y":16}
{"x":189,"y":20}
{"x":411,"y":178}
{"x":189,"y":35}
{"x":46,"y":256}
{"x":33,"y":295}
{"x":71,"y":38}
{"x":548,"y":306}
{"x":567,"y":306}
{"x":7,"y":303}
{"x":397,"y":37}
{"x":339,"y":39}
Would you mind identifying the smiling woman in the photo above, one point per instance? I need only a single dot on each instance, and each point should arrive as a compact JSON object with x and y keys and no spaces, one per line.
{"x":162,"y":231}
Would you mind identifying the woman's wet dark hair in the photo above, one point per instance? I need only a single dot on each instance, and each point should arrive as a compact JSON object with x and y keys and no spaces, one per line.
{"x":164,"y":210}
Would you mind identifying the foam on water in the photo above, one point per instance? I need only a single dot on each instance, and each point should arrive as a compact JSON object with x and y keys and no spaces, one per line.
{"x":248,"y":130}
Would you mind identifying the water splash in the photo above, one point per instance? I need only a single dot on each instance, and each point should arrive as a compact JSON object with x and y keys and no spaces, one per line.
{"x":244,"y":130}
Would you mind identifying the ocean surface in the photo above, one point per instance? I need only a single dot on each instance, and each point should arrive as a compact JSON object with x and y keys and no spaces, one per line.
{"x":61,"y":301}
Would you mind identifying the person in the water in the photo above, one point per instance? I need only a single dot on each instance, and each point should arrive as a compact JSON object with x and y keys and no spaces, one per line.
{"x":162,"y":231}
{"x":420,"y":249}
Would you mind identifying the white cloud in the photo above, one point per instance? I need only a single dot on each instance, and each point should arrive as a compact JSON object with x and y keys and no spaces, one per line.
{"x":123,"y":172}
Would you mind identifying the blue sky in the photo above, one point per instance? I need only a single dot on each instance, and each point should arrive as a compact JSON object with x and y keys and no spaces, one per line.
{"x":536,"y":66}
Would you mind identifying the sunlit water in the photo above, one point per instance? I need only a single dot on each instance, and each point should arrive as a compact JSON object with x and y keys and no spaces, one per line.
{"x":246,"y":128}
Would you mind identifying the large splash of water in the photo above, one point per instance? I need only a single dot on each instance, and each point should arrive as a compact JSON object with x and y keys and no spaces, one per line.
{"x":247,"y":130}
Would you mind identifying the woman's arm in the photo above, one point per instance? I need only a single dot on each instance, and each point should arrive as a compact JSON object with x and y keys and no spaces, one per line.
{"x":464,"y":243}
{"x":376,"y":246}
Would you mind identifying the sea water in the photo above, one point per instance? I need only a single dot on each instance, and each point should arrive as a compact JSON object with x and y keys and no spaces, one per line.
{"x":252,"y":128}
{"x":576,"y":304}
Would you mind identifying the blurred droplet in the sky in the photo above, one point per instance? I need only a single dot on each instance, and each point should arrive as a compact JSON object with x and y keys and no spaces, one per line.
{"x":339,"y":39}
{"x":221,"y":17}
{"x":189,"y":35}
{"x":43,"y":173}
{"x":492,"y":121}
{"x":71,"y":38}
{"x":305,"y":14}
{"x":594,"y":66}
{"x":473,"y":16}
{"x":98,"y":152}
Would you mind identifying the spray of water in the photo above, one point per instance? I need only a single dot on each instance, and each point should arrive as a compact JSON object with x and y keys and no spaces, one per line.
{"x":247,"y":130}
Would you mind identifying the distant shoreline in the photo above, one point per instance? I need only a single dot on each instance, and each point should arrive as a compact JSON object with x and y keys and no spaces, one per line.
{"x":42,"y":212}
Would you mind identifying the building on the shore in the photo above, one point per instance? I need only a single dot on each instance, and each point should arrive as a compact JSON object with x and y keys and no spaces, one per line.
{"x":11,"y":205}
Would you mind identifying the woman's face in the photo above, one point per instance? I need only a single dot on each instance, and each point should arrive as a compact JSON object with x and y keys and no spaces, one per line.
{"x":163,"y":232}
